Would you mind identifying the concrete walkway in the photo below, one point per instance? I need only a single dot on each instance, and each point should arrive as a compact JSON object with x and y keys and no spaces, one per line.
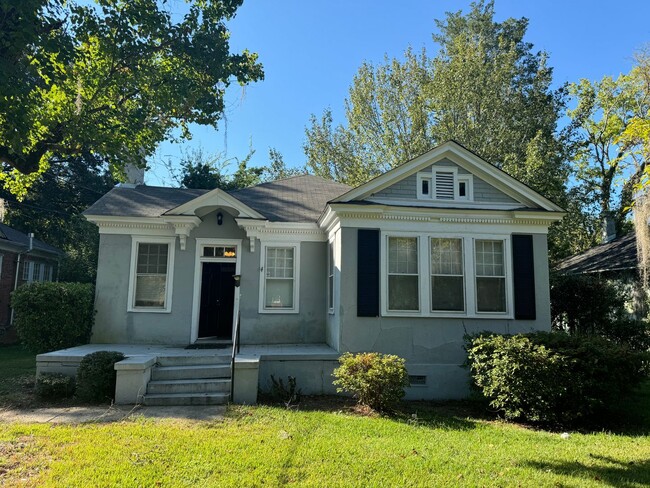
{"x":79,"y":415}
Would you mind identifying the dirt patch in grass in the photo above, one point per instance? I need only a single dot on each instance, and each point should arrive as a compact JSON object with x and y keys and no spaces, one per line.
{"x":17,"y":461}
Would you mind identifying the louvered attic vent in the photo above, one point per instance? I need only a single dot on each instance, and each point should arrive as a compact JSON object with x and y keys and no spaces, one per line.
{"x":444,"y":185}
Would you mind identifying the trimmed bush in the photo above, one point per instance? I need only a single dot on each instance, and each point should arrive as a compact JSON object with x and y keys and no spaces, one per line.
{"x":553,"y":378}
{"x":50,"y":316}
{"x":96,"y":376}
{"x":375,"y":380}
{"x":54,"y":386}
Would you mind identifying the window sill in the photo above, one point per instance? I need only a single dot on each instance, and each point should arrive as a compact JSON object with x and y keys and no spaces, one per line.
{"x":448,"y":315}
{"x":148,"y":310}
{"x":278,"y":311}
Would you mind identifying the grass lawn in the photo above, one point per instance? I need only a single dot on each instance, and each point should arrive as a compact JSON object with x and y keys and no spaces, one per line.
{"x":323,"y":447}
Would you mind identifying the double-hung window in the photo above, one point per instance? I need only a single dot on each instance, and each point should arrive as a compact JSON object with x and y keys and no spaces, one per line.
{"x":490,"y":276}
{"x":151,"y":265}
{"x":440,"y":275}
{"x":447,"y":277}
{"x":403,"y":274}
{"x":279,"y":279}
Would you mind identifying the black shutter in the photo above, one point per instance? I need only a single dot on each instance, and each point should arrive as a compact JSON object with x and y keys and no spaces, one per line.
{"x":523,"y":266}
{"x":368,"y":273}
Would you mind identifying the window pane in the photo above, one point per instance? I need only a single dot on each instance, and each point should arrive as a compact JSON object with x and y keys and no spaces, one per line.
{"x":403,"y":255}
{"x":279,"y":293}
{"x":150,"y":291}
{"x":403,"y":292}
{"x":489,"y":258}
{"x":491,"y":294}
{"x":208,"y":251}
{"x":447,"y":256}
{"x":279,"y":262}
{"x":447,"y":293}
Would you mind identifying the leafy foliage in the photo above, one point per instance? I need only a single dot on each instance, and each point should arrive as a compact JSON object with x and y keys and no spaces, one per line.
{"x":114,"y":78}
{"x":586,"y":305}
{"x":553,"y":378}
{"x":376,"y":380}
{"x":96,"y":376}
{"x":54,"y":386}
{"x":53,"y":315}
{"x":485,"y":88}
{"x":288,"y":394}
{"x":52,"y":210}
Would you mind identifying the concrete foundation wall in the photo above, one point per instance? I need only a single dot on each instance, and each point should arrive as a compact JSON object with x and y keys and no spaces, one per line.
{"x":313,"y":376}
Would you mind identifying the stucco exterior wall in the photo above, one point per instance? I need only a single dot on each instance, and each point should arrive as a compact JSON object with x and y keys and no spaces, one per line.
{"x":431,"y":346}
{"x":113,"y":324}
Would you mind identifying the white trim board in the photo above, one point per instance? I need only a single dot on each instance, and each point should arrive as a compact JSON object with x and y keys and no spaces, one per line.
{"x":296,"y":277}
{"x":169,"y":285}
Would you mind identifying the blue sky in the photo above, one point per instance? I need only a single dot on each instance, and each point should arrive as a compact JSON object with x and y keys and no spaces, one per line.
{"x":311,"y":50}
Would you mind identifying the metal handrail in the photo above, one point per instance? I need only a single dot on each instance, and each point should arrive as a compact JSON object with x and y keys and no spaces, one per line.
{"x":235,"y":351}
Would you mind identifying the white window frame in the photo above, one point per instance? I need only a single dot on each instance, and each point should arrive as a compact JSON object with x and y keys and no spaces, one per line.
{"x":468,"y":179}
{"x":508,"y":282}
{"x":420,"y":178}
{"x":28,"y":271}
{"x":331,"y":274}
{"x":424,"y":267}
{"x":384,"y":275}
{"x":459,"y":178}
{"x":135,"y":241}
{"x":296,"y":277}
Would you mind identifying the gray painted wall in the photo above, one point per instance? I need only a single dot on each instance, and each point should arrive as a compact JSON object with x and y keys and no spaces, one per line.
{"x":406,"y":189}
{"x":431,"y":346}
{"x":113,"y":324}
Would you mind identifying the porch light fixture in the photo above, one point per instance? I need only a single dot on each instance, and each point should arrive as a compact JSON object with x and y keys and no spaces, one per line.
{"x":237,"y":279}
{"x":219,"y":218}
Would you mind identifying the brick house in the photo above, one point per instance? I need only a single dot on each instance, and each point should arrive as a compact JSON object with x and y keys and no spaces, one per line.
{"x":23,"y":259}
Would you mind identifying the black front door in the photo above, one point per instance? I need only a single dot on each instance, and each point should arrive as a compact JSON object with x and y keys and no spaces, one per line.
{"x":217,"y":300}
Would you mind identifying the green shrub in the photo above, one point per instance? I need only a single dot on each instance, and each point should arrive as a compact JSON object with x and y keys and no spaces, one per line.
{"x":375,"y":380}
{"x":52,"y":316}
{"x":54,"y":386}
{"x":553,"y":378}
{"x":96,"y":376}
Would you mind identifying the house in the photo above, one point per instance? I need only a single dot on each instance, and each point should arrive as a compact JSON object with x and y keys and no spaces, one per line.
{"x":407,"y":263}
{"x":615,"y":260}
{"x":23,"y":259}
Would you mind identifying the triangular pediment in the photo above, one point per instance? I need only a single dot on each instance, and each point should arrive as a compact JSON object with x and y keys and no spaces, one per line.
{"x":453,"y":154}
{"x":216,"y":198}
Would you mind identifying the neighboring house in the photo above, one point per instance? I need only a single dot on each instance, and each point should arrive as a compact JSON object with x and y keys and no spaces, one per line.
{"x":616,"y":260}
{"x":408,"y":263}
{"x":23,"y":259}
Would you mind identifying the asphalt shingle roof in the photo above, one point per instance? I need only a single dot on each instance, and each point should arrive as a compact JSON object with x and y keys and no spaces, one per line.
{"x":296,"y":199}
{"x":14,"y":236}
{"x":617,"y":255}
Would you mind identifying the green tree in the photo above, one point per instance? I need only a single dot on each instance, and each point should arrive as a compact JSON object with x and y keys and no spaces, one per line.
{"x":52,"y":210}
{"x":114,"y":78}
{"x":278,"y":169}
{"x":607,"y":163}
{"x":485,"y":88}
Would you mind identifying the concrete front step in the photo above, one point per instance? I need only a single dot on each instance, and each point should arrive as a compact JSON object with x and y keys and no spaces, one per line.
{"x":200,"y":371}
{"x":189,"y":386}
{"x":187,"y":399}
{"x":213,"y":359}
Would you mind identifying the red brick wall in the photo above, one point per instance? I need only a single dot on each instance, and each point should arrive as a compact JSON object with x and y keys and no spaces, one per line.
{"x":7,"y":276}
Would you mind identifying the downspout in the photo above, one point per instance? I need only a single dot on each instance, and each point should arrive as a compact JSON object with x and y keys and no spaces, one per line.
{"x":20,"y":254}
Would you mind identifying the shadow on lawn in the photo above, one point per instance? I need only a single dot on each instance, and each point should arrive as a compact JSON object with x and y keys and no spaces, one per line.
{"x":608,"y":470}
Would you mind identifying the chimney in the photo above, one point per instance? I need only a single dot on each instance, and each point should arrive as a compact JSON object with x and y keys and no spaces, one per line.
{"x":31,"y":241}
{"x":609,"y":228}
{"x":134,"y":175}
